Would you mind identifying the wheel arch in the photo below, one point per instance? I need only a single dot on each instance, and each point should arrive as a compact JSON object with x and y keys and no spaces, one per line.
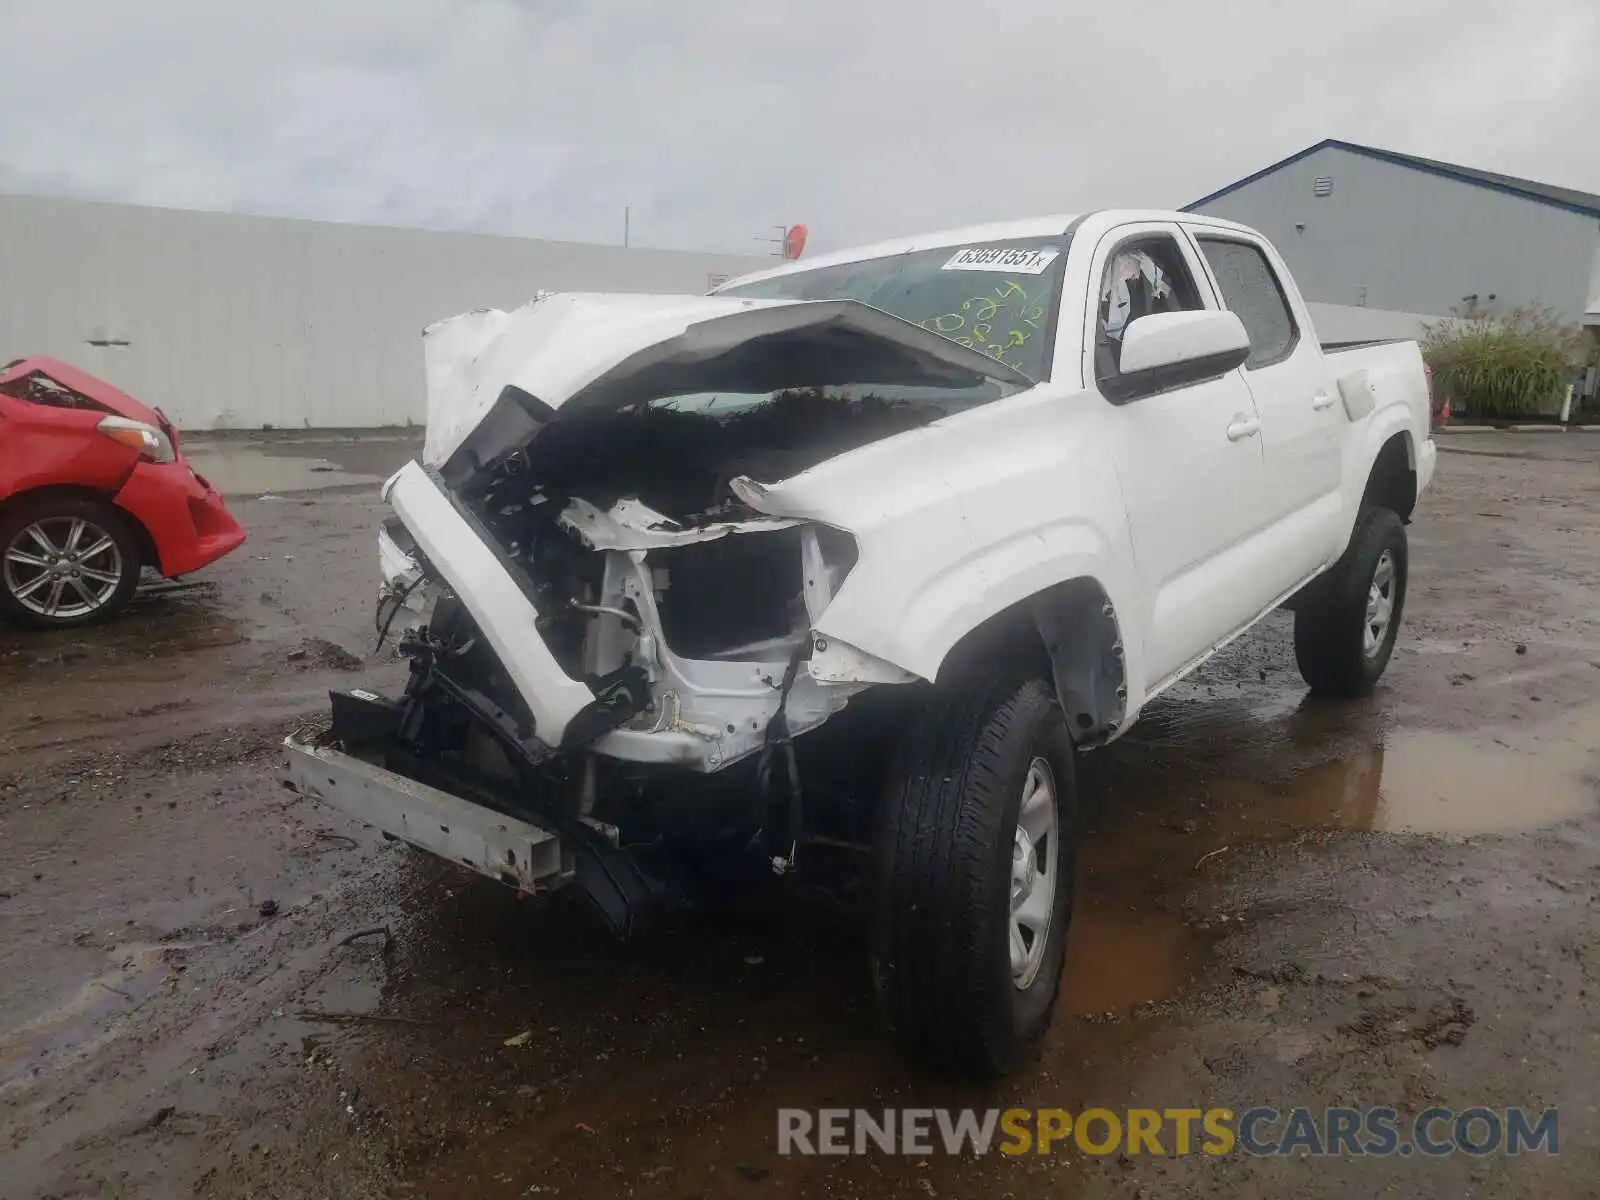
{"x":1071,"y":632}
{"x":1392,"y":484}
{"x":141,"y":535}
{"x":1392,"y":480}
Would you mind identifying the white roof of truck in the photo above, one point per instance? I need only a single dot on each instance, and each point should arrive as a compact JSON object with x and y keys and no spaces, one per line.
{"x":995,"y":231}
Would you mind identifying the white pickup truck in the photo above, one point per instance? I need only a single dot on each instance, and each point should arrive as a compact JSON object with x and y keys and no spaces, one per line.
{"x":852,"y":558}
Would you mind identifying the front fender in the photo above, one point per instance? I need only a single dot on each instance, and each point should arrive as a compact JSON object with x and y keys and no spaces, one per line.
{"x":59,"y":448}
{"x":964,"y":519}
{"x":913,"y":617}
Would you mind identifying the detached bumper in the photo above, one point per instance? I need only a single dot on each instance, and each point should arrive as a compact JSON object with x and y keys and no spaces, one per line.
{"x":183,"y":514}
{"x":501,"y":847}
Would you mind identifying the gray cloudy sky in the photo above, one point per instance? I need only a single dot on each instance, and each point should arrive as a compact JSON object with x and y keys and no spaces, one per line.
{"x":717,"y":118}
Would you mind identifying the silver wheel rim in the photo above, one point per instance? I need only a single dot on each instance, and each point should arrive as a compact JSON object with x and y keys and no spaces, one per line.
{"x":1380,"y":605}
{"x":62,"y":567}
{"x":1034,"y":872}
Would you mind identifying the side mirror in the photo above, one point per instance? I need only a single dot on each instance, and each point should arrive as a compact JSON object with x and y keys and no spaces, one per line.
{"x":1163,"y":351}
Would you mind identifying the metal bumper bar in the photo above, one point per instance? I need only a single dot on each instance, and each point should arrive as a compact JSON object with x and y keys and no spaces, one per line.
{"x":501,"y":847}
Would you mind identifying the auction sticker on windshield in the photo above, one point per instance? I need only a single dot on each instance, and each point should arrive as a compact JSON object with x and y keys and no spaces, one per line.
{"x":1002,"y":258}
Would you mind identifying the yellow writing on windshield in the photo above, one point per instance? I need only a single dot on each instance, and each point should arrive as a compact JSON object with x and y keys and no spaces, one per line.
{"x":1009,"y":307}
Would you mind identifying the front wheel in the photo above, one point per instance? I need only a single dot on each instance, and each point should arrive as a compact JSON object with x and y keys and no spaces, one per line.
{"x":976,"y":864}
{"x":65,"y":561}
{"x":1344,"y":635}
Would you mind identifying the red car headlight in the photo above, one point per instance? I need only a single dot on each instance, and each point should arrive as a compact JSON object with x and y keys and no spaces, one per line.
{"x":150,"y":442}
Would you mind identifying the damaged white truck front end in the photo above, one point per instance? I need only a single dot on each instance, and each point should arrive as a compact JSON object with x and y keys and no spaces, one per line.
{"x":667,"y":637}
{"x":635,"y":538}
{"x":856,"y":557}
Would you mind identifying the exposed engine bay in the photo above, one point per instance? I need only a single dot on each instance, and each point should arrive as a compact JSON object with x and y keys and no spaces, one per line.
{"x":727,"y":581}
{"x":679,"y":460}
{"x":686,"y":612}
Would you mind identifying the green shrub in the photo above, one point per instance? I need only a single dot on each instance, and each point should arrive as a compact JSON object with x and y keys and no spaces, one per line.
{"x":1512,"y":364}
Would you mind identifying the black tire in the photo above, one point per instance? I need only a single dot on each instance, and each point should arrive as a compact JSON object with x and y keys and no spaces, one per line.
{"x":942,"y":909}
{"x":1331,"y":626}
{"x":102,"y":521}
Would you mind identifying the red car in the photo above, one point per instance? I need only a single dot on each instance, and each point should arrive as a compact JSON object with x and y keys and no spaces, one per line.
{"x":93,"y":488}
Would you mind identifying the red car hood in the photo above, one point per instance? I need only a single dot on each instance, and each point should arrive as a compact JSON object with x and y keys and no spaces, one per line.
{"x":98,"y":390}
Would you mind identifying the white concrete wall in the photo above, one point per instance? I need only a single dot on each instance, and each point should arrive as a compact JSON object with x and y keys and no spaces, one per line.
{"x":239,"y":322}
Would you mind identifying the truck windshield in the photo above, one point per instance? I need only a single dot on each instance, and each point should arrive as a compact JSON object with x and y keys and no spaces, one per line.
{"x":999,"y":298}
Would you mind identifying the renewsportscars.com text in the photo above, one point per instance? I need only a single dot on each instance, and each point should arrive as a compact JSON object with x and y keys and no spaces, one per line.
{"x":1170,"y":1131}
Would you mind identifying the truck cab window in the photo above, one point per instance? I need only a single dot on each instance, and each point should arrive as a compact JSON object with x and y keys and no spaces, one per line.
{"x":1251,"y":290}
{"x":1141,"y":277}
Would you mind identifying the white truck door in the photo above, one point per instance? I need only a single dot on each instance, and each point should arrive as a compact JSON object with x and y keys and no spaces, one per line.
{"x":1189,"y":460}
{"x":1301,"y":418}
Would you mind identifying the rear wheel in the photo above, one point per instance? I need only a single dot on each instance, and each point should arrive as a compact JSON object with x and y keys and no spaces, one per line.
{"x":65,"y":561}
{"x":976,"y":860}
{"x":1345,"y":633}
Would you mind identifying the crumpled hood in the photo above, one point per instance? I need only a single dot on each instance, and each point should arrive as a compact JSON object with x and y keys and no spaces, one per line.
{"x":601,"y":350}
{"x":551,"y":347}
{"x":112,"y":399}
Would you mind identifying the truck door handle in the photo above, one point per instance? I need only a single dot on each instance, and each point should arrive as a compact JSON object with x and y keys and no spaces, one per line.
{"x":1244,"y":427}
{"x":1322,"y":400}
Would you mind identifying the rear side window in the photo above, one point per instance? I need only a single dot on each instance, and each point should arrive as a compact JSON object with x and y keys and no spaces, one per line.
{"x":1251,"y":290}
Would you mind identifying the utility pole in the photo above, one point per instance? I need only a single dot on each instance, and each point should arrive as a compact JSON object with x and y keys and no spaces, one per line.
{"x":627,"y":220}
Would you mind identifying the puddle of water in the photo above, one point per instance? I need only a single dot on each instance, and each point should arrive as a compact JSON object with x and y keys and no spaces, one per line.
{"x":1441,"y":783}
{"x":1242,"y":775}
{"x":1118,"y":960}
{"x":254,"y":468}
{"x":247,"y":470}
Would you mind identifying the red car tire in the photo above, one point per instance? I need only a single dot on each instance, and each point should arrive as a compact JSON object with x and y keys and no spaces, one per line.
{"x":65,"y":561}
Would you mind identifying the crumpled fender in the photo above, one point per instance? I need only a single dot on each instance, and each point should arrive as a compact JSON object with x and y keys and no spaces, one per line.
{"x":987,"y":508}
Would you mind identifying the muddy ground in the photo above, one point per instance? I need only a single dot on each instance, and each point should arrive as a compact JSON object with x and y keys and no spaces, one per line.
{"x":1391,"y":902}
